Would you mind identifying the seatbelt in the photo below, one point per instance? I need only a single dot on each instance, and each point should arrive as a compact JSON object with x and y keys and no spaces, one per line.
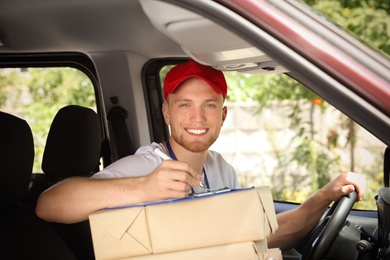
{"x":116,"y":116}
{"x":386,"y":167}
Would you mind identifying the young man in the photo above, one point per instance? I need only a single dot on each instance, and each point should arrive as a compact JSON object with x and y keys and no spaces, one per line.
{"x":194,"y":109}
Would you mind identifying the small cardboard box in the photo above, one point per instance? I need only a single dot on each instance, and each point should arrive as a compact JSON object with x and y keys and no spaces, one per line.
{"x":177,"y":225}
{"x":241,"y":251}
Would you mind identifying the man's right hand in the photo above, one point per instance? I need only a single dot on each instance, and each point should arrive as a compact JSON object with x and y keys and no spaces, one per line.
{"x":171,"y":180}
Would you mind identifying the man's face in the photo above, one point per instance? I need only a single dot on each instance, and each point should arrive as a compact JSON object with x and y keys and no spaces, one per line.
{"x":195,"y":113}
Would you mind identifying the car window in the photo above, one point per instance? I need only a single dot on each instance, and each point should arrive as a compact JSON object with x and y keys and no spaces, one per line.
{"x":36,"y":94}
{"x":281,"y":134}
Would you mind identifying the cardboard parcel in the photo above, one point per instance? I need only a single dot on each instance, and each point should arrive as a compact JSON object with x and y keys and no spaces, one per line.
{"x":236,"y":251}
{"x":238,"y":216}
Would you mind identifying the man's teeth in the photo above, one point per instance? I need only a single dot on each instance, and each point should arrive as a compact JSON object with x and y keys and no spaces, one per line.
{"x":197,"y":131}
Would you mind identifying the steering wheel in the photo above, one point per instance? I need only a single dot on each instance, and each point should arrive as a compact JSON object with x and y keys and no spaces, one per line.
{"x":325,"y":233}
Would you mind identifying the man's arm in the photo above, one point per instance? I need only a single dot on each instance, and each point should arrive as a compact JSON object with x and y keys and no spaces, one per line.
{"x":296,"y":224}
{"x":73,"y":199}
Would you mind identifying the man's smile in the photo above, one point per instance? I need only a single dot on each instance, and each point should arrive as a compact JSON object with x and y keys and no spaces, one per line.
{"x":196,"y":131}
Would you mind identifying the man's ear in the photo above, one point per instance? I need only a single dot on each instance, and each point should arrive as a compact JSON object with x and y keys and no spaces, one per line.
{"x":165,"y":110}
{"x":224,"y":114}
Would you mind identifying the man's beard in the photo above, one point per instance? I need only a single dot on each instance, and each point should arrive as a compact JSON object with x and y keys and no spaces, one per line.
{"x":195,"y":146}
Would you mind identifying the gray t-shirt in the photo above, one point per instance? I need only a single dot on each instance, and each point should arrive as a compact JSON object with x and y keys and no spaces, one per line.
{"x":219,"y":173}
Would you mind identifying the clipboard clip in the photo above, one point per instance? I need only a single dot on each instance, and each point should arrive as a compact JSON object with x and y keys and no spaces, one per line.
{"x":210,"y":192}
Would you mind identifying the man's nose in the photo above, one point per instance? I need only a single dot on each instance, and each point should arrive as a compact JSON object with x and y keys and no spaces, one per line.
{"x":198,"y":114}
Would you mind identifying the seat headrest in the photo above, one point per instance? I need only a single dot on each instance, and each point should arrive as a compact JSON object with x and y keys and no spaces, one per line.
{"x":16,"y":159}
{"x":73,"y":144}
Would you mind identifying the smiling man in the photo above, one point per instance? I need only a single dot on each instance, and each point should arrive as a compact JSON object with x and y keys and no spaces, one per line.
{"x":194,"y":109}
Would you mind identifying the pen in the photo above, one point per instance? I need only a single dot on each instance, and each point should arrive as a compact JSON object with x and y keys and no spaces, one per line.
{"x":165,"y":156}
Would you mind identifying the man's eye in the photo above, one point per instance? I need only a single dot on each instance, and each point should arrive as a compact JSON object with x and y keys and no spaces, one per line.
{"x":184,"y":105}
{"x":211,"y":105}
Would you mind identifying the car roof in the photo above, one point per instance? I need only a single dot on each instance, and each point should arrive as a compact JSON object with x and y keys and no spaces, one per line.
{"x":151,"y":29}
{"x":82,"y":26}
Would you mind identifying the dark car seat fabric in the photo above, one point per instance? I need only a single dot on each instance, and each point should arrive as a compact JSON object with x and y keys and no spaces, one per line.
{"x":73,"y":143}
{"x":17,"y":158}
{"x":23,"y":234}
{"x":73,"y":148}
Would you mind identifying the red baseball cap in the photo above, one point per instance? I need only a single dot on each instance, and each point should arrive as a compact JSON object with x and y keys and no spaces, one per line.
{"x":192,"y":69}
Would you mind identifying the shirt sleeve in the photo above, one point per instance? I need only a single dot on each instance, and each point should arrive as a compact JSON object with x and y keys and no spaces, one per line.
{"x":142,"y":163}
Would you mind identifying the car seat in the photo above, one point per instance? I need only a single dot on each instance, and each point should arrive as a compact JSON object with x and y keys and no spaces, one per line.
{"x":72,"y":149}
{"x":23,"y":234}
